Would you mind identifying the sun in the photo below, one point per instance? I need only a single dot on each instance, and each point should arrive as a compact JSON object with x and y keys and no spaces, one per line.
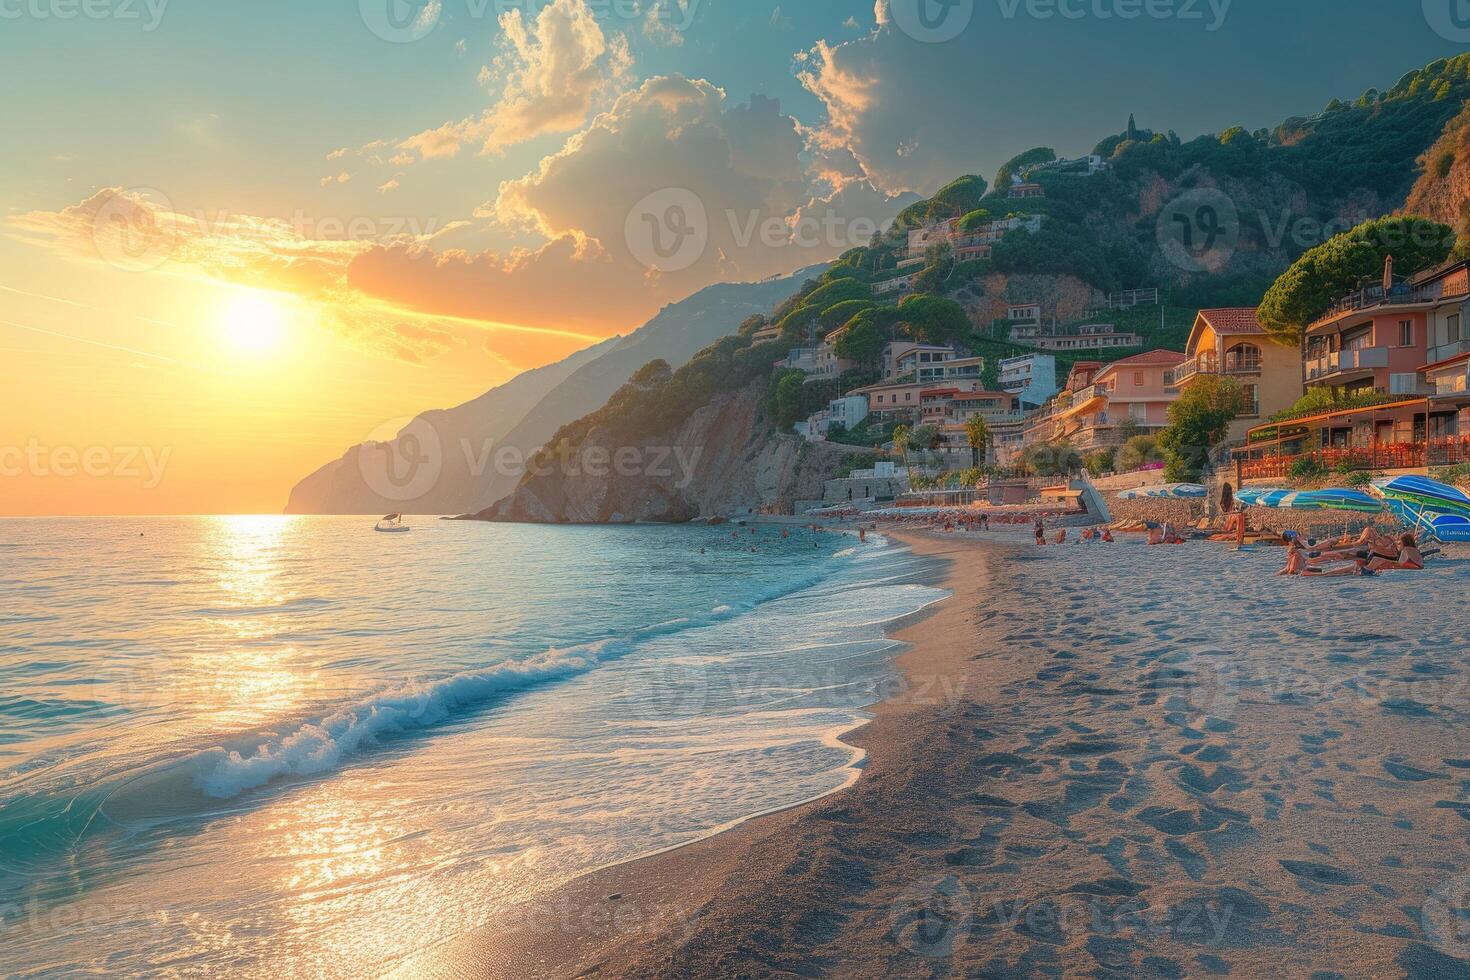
{"x":254,"y":323}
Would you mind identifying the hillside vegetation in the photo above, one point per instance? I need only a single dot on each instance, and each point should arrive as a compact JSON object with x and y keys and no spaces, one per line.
{"x":1284,"y":191}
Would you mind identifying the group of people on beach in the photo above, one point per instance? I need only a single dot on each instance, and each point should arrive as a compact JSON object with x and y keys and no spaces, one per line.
{"x":1368,"y":554}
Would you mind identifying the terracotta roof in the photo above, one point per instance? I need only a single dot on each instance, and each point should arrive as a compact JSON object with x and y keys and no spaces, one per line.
{"x":1166,"y":357}
{"x":1233,"y":319}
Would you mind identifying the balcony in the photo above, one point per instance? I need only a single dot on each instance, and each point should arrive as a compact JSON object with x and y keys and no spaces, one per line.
{"x":1346,"y":362}
{"x":1451,"y":384}
{"x":1375,"y":296}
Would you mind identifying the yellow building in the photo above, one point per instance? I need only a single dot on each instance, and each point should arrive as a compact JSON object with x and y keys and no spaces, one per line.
{"x":1232,"y":343}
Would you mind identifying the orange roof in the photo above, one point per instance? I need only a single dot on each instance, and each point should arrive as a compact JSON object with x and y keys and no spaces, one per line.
{"x":1165,"y":357}
{"x":1233,"y":319}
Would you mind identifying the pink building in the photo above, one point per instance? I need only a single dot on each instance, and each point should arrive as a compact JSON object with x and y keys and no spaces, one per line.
{"x":1099,"y":402}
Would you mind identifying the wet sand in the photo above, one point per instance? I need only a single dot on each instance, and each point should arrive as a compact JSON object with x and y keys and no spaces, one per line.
{"x":1106,"y":762}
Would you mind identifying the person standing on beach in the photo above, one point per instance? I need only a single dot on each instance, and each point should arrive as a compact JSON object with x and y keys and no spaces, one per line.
{"x":1040,"y":533}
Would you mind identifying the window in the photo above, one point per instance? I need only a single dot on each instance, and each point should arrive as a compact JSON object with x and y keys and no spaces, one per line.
{"x":1406,"y":333}
{"x":1252,"y":400}
{"x":1138,"y":379}
{"x":1452,"y":328}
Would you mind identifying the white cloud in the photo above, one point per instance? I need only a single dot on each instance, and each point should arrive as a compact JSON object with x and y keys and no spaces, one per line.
{"x":892,"y":106}
{"x":552,"y":73}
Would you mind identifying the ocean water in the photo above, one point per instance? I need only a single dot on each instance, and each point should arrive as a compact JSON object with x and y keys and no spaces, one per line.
{"x":290,"y":746}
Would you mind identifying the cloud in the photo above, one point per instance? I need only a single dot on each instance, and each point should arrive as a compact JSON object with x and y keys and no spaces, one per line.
{"x":891,"y":105}
{"x":552,"y":73}
{"x":391,"y":184}
{"x":743,"y":162}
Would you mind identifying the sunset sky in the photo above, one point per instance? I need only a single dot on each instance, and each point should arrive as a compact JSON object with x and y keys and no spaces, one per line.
{"x":236,"y":238}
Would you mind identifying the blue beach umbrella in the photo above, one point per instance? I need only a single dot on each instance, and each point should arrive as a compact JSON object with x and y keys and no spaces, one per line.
{"x":1169,"y":491}
{"x":1438,"y":509}
{"x":1341,"y":499}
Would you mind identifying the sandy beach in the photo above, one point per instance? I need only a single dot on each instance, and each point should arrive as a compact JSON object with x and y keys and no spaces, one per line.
{"x":1108,"y":761}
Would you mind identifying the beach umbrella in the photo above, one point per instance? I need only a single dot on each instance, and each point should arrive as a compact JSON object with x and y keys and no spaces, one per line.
{"x":1285,"y":500}
{"x":1438,"y":509}
{"x":1250,"y":496}
{"x":1335,"y":498}
{"x":1169,"y":491}
{"x":1429,"y":496}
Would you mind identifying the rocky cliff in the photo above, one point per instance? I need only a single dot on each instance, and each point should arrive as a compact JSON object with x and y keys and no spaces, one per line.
{"x":724,"y":458}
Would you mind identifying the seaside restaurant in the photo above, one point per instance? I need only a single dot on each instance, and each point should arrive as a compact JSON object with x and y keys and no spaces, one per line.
{"x":1397,"y":359}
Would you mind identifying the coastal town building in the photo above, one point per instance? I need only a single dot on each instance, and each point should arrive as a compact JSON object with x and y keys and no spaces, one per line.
{"x":1232,"y":343}
{"x":899,"y":284}
{"x":1089,"y":336}
{"x":1032,"y":378}
{"x":802,"y":359}
{"x":882,"y":484}
{"x":972,"y":243}
{"x":905,"y":357}
{"x":829,"y":366}
{"x":771,"y":331}
{"x":847,"y":412}
{"x":1398,"y":414}
{"x":904,"y":401}
{"x":1102,"y":403}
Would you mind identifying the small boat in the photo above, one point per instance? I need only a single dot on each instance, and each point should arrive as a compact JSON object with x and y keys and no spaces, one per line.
{"x":392,"y":524}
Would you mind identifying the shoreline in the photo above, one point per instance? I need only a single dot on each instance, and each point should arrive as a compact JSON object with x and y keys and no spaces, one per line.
{"x":578,"y":927}
{"x":1114,"y":761}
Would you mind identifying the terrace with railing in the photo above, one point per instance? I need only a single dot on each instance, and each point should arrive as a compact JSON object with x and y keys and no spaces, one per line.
{"x":1370,"y":297}
{"x":1448,"y":451}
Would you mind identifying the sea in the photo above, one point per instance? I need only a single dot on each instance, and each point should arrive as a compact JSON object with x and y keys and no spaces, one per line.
{"x":286,"y":746}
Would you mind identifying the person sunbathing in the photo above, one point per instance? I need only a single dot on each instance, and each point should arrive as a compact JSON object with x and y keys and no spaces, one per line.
{"x":1378,"y":545}
{"x":1155,"y":534}
{"x":1358,"y":566}
{"x":1296,"y":557}
{"x":1409,"y":558}
{"x":1107,"y":535}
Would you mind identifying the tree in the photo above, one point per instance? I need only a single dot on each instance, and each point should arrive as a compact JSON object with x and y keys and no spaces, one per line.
{"x":862,"y":343}
{"x":1336,"y":267}
{"x":838,"y":290}
{"x":903,"y":438}
{"x":840,"y":313}
{"x":975,"y":220}
{"x":1198,"y":420}
{"x":1051,"y":459}
{"x":933,"y":320}
{"x":1137,"y":453}
{"x":1100,"y":463}
{"x":977,"y":430}
{"x":787,"y":401}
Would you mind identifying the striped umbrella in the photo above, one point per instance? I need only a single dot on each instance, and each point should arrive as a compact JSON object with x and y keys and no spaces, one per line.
{"x":1285,"y":500}
{"x":1437,"y":508}
{"x":1341,"y":499}
{"x":1250,"y":496}
{"x":1169,"y":491}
